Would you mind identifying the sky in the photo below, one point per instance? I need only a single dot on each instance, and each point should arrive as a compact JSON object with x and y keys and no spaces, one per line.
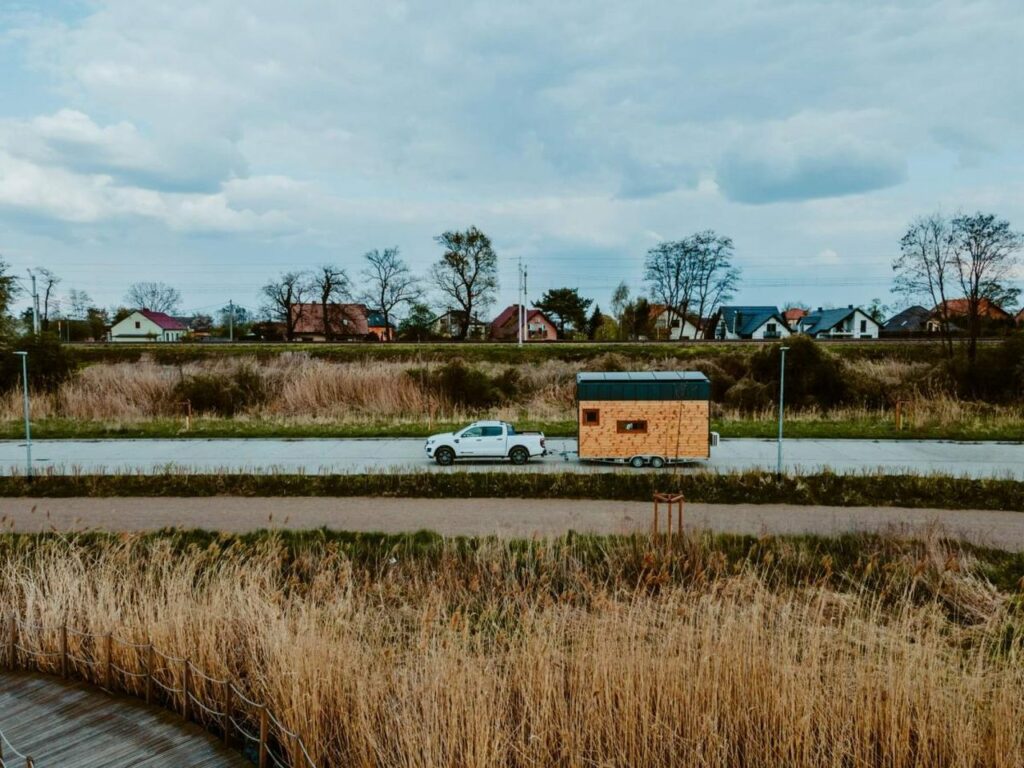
{"x":212,"y":145}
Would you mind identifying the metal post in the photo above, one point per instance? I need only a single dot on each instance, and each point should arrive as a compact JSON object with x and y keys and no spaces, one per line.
{"x":519,"y":305}
{"x":35,"y":305}
{"x":28,"y":428}
{"x":231,"y":321}
{"x":782,"y":391}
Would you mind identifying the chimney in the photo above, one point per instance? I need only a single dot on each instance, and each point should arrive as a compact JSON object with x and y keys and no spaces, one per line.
{"x":849,"y":306}
{"x":819,"y":309}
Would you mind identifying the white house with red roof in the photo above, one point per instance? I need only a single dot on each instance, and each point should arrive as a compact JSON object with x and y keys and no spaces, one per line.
{"x":147,"y":325}
{"x":538,"y":327}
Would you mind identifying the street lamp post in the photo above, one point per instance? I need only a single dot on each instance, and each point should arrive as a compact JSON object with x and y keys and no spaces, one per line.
{"x":28,"y":428}
{"x":782,"y":393}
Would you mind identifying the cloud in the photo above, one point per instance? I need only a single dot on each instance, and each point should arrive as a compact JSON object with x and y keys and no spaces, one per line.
{"x":810,"y":156}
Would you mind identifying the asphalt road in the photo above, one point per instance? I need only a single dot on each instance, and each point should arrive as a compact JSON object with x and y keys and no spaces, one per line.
{"x":356,"y":456}
{"x":500,"y":517}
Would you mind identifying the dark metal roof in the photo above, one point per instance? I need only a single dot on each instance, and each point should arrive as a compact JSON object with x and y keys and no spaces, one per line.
{"x":642,"y":385}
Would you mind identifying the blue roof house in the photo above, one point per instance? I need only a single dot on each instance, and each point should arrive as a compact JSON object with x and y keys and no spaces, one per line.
{"x":848,"y":323}
{"x":738,"y":322}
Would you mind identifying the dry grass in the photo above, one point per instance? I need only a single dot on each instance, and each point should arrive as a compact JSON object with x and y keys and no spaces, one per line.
{"x":611,"y":654}
{"x":305,"y":390}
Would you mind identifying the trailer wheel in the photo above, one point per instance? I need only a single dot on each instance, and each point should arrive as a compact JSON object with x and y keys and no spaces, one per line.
{"x":657,"y":462}
{"x":519,"y":455}
{"x":444,"y":456}
{"x":637,"y":462}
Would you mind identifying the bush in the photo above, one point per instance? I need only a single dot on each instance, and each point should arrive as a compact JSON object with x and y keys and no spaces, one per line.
{"x":222,"y":395}
{"x":467,"y":387}
{"x":813,"y":376}
{"x":49,"y":364}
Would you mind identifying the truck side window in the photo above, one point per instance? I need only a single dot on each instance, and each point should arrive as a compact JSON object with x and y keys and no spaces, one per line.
{"x":490,"y":431}
{"x":591,"y":417}
{"x":638,"y":426}
{"x":473,"y":432}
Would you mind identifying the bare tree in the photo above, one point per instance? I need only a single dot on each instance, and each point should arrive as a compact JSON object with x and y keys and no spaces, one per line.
{"x":330,"y":286}
{"x":9,"y":290}
{"x":985,"y":255}
{"x":47,"y":282}
{"x":388,"y":282}
{"x":925,"y":268}
{"x":467,"y":272}
{"x":78,"y":303}
{"x":158,"y":297}
{"x":669,"y":272}
{"x":715,"y":279}
{"x":285,"y":298}
{"x":620,"y":300}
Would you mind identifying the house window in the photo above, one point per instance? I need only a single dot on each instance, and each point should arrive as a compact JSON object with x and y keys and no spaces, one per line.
{"x":636,"y":425}
{"x":863,"y":326}
{"x":138,"y":324}
{"x":772,"y":329}
{"x":591,"y":417}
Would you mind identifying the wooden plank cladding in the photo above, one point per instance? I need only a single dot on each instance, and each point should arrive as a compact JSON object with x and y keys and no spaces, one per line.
{"x":675,"y":429}
{"x":643,"y":413}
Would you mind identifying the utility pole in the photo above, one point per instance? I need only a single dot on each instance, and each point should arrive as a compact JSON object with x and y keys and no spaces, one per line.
{"x":782,"y":392}
{"x":28,"y":429}
{"x":35,"y":305}
{"x":231,"y":321}
{"x":519,"y":304}
{"x":524,"y":324}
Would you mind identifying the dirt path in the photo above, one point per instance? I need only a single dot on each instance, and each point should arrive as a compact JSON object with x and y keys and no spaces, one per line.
{"x":503,"y":517}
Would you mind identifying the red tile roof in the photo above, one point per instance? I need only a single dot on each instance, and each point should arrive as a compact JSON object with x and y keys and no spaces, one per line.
{"x":960,"y":307}
{"x":345,"y":319}
{"x":793,"y":314}
{"x":165,"y":321}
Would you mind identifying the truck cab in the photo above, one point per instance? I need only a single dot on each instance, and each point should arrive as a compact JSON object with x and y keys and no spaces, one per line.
{"x":485,"y":440}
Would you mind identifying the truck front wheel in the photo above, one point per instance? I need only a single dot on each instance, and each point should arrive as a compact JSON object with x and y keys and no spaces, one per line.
{"x":519,"y":455}
{"x":444,"y":456}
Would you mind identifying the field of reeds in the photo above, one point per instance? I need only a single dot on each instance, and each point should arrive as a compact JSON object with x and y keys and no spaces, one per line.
{"x":296,"y":394}
{"x":711,"y":651}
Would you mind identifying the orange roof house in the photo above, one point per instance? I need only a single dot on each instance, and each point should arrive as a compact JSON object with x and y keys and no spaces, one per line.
{"x":539,"y":327}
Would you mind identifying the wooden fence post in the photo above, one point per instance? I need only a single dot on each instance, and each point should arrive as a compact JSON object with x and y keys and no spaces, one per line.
{"x":185,"y":690}
{"x":149,"y":673}
{"x":12,"y":650}
{"x":229,"y":712}
{"x":263,"y":738}
{"x":29,"y":762}
{"x":109,"y":676}
{"x":64,"y":650}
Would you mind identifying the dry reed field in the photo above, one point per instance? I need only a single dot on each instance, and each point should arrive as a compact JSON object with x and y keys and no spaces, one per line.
{"x":297,"y":389}
{"x":577,"y":652}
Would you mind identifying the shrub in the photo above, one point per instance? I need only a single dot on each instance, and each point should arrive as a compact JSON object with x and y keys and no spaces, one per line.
{"x":49,"y":364}
{"x":467,"y":387}
{"x":222,"y":395}
{"x":813,"y":376}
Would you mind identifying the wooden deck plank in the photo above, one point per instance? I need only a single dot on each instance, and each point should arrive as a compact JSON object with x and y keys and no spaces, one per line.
{"x":70,"y":724}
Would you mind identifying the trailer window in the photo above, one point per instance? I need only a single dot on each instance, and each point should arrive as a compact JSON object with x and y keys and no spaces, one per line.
{"x":591,"y":417}
{"x":635,"y":425}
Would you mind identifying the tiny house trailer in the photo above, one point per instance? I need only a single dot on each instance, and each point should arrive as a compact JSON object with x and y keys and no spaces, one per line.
{"x":644,"y":418}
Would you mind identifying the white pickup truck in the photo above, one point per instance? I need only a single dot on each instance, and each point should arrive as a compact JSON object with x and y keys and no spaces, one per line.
{"x":485,"y":440}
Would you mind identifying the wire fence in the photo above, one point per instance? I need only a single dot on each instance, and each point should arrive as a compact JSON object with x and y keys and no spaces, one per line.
{"x":220,"y":705}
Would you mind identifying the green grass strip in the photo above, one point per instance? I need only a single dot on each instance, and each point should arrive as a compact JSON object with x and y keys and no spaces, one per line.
{"x":919,"y":491}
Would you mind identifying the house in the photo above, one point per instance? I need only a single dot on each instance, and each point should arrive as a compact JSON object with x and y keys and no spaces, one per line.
{"x":849,"y":323}
{"x":957,"y":316}
{"x":672,"y":325}
{"x":739,"y":322}
{"x":912,"y":320}
{"x":146,"y":325}
{"x":376,"y":326}
{"x":538,"y":327}
{"x":643,"y":417}
{"x":449,"y":324}
{"x":345,"y":321}
{"x":794,"y":315}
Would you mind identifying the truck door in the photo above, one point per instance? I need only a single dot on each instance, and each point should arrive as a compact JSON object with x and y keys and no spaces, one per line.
{"x":492,"y":442}
{"x":471,"y":442}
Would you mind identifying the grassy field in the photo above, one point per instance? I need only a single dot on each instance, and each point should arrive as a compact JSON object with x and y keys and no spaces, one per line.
{"x":710,"y":651}
{"x":299,"y":395}
{"x":921,"y":491}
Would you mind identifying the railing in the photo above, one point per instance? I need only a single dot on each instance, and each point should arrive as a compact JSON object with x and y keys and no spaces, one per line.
{"x":144,"y":671}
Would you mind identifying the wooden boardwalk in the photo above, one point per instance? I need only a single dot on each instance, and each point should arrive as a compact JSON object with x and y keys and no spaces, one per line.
{"x":71,"y":725}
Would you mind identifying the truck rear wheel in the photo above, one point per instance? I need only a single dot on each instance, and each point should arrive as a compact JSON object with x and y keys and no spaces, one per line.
{"x":637,"y":462}
{"x":519,"y":455}
{"x":657,"y":462}
{"x":444,"y":456}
